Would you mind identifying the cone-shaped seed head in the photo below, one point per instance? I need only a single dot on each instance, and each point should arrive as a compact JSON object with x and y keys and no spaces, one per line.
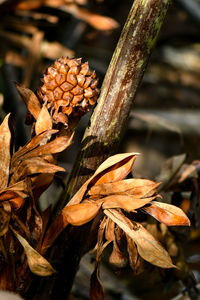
{"x":69,"y":88}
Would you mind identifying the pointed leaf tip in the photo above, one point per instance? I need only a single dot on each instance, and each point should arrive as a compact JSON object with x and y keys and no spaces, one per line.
{"x":167,"y":214}
{"x":37,"y":263}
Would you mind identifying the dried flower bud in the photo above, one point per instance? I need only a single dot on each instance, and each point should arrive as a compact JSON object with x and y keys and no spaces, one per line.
{"x":69,"y":88}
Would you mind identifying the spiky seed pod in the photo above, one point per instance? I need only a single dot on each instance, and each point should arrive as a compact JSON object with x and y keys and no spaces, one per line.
{"x":69,"y":88}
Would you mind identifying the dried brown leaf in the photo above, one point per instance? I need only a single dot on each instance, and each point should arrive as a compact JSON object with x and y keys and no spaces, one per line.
{"x":109,"y":231}
{"x":32,"y":103}
{"x":35,"y":165}
{"x":82,"y":213}
{"x":117,"y":258}
{"x":37,"y":263}
{"x":148,"y":247}
{"x":36,"y":141}
{"x":118,"y":167}
{"x":5,"y":214}
{"x":55,"y":146}
{"x":168,"y":214}
{"x":114,"y":168}
{"x":44,"y":121}
{"x":137,"y":187}
{"x":77,"y":215}
{"x":5,"y":139}
{"x":126,"y":202}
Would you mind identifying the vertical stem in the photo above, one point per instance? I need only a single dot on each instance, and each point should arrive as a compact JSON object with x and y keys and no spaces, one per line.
{"x":123,"y":77}
{"x":102,"y":137}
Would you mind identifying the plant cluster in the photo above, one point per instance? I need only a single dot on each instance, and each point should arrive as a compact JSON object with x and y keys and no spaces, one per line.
{"x":107,"y":198}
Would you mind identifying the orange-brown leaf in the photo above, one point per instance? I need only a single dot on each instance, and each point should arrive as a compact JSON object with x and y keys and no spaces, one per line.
{"x":126,"y":202}
{"x":77,"y":214}
{"x":35,"y":165}
{"x":44,"y":121}
{"x":109,"y":231}
{"x":55,"y":146}
{"x":14,"y":198}
{"x":117,"y":258}
{"x":82,"y":213}
{"x":133,"y":253}
{"x":30,"y":99}
{"x":34,"y":143}
{"x":118,"y":167}
{"x":114,"y":168}
{"x":168,"y":214}
{"x":139,"y":188}
{"x":5,"y":139}
{"x":5,"y":214}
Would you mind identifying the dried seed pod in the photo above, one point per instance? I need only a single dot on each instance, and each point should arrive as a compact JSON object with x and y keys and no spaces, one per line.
{"x":69,"y":88}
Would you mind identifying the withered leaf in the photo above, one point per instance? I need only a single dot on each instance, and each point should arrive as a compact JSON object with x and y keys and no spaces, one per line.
{"x":109,"y":231}
{"x":118,"y":165}
{"x":36,"y":141}
{"x":37,"y":263}
{"x":55,"y":146}
{"x":117,"y":258}
{"x":35,"y":165}
{"x":30,"y":99}
{"x":5,"y":139}
{"x":148,"y":247}
{"x":15,"y":199}
{"x":5,"y":214}
{"x":82,"y":213}
{"x":76,"y":215}
{"x":168,"y":214}
{"x":44,"y":121}
{"x":126,"y":202}
{"x":96,"y":289}
{"x":133,"y":253}
{"x":139,"y":187}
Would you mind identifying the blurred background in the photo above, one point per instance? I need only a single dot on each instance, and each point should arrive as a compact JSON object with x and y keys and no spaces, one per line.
{"x":164,"y":124}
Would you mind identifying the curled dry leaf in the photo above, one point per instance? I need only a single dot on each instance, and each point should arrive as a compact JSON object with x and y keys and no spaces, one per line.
{"x":5,"y":139}
{"x":44,"y":121}
{"x":76,"y":215}
{"x":139,"y":187}
{"x":37,"y":263}
{"x":118,"y":167}
{"x":5,"y":214}
{"x":117,"y":258}
{"x":35,"y":165}
{"x":32,"y":103}
{"x":36,"y":141}
{"x":168,"y":214}
{"x":55,"y":146}
{"x":126,"y":202}
{"x":82,"y":213}
{"x":133,"y":253}
{"x":148,"y":247}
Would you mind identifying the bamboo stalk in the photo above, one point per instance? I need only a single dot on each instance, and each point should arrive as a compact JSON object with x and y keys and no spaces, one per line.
{"x":106,"y":128}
